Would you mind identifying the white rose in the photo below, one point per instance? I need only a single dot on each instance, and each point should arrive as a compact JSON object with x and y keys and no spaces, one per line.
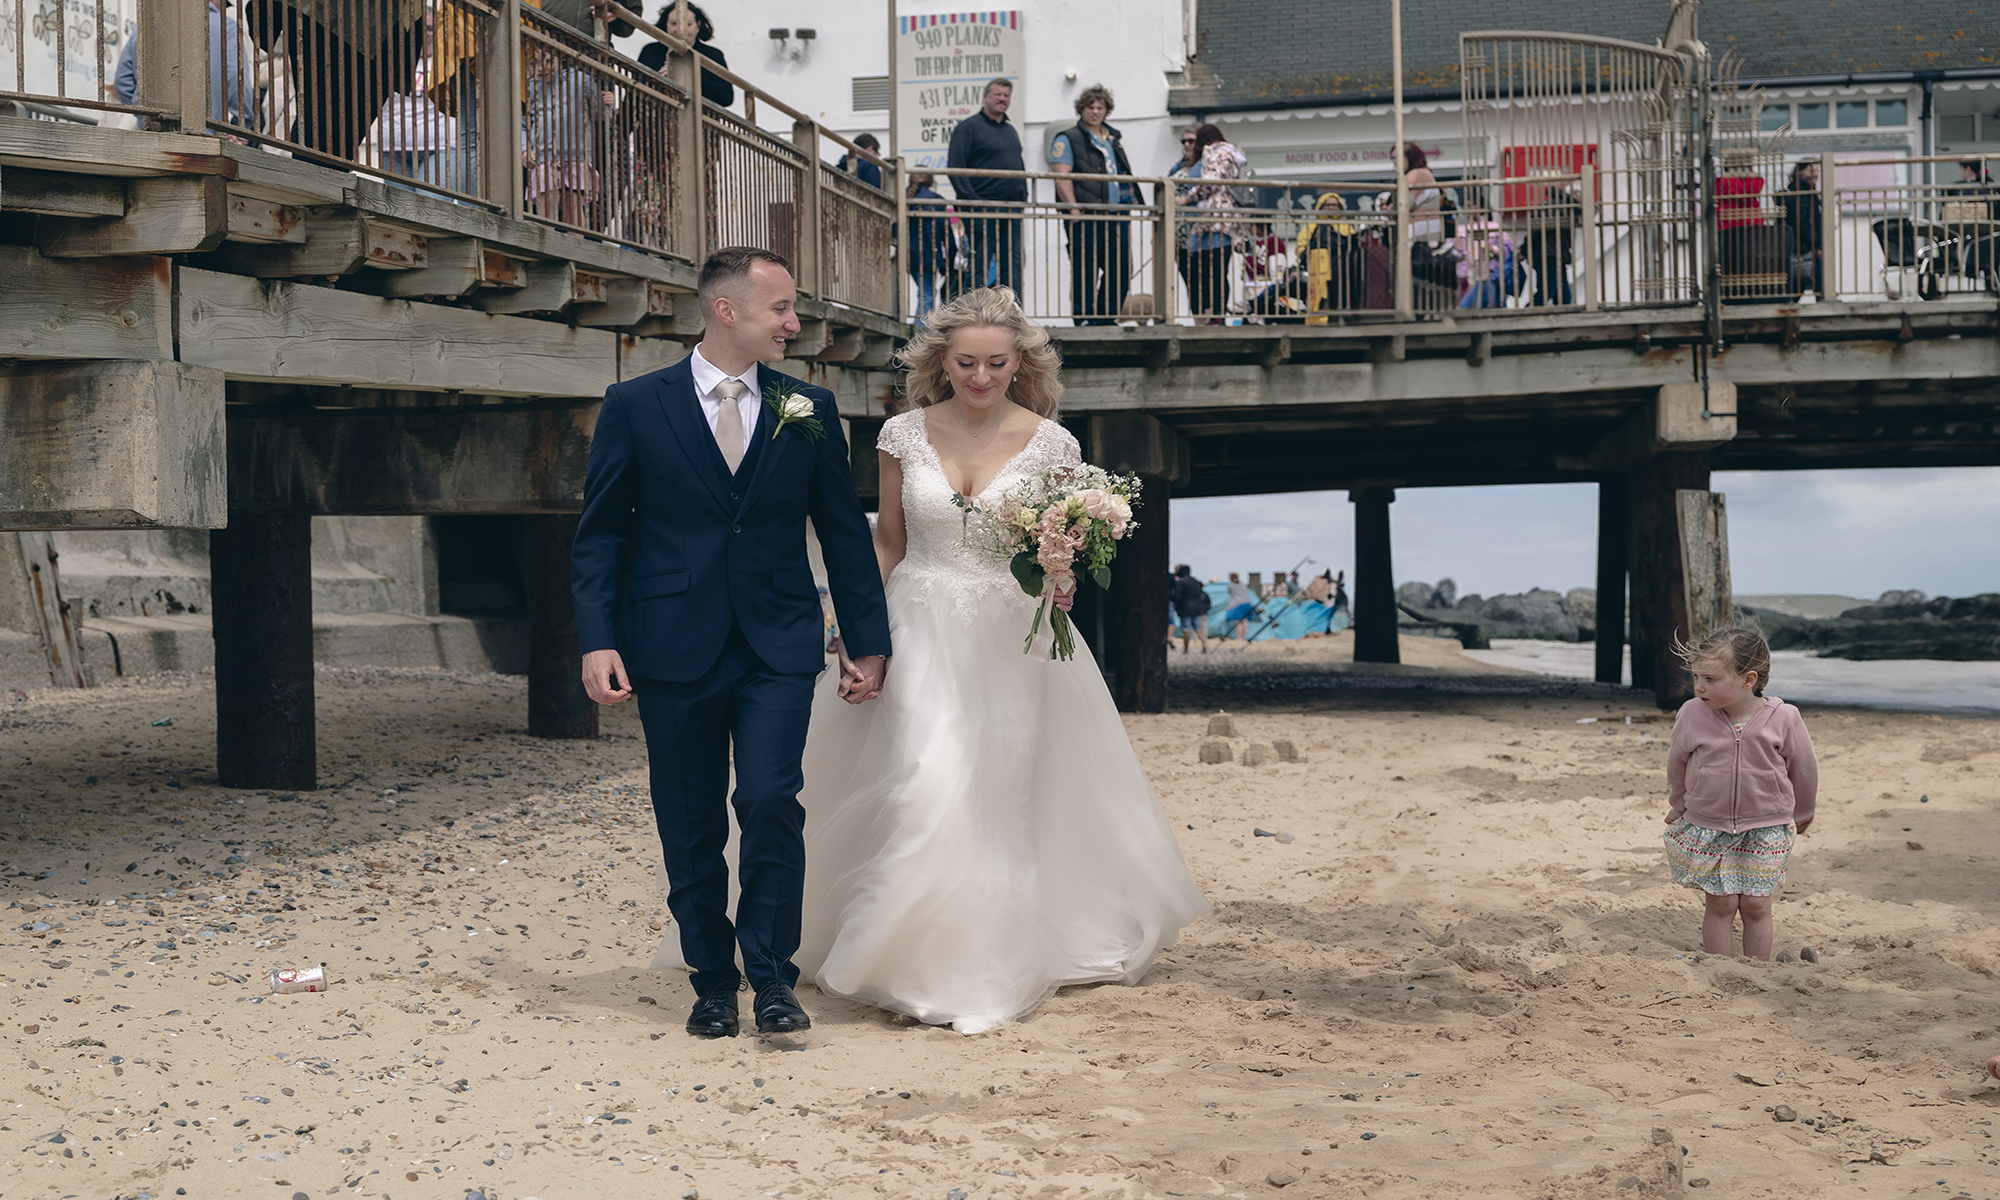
{"x":1097,"y":502}
{"x":1121,"y":509}
{"x":1027,"y":518}
{"x":797,"y":408}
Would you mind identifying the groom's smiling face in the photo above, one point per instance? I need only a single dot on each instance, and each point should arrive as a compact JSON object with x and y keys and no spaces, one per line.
{"x":760,"y":314}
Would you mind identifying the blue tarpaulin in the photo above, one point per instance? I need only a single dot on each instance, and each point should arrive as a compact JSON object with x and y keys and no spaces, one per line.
{"x":1279,"y":618}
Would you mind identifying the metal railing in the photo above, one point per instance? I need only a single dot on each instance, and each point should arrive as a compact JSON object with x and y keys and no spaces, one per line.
{"x":494,"y":104}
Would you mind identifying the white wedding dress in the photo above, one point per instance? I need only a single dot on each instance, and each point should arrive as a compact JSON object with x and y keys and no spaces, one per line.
{"x":981,"y":834}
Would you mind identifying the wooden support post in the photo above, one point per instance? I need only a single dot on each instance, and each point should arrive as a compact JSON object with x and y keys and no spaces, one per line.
{"x":1374,"y":578}
{"x":1613,"y":534}
{"x":1659,"y":595}
{"x":558,"y":707}
{"x":1587,"y":251}
{"x":260,"y":579}
{"x":691,"y":150}
{"x":1703,"y":519}
{"x":173,"y":64}
{"x":174,"y":214}
{"x":807,"y":266}
{"x":1829,"y":231}
{"x":500,"y":90}
{"x":1166,"y":253}
{"x":1135,"y":608}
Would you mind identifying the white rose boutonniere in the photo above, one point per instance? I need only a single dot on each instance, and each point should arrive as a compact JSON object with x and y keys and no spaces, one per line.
{"x":793,"y":408}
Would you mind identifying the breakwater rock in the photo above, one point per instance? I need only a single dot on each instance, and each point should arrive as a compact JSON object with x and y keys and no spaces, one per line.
{"x":1536,"y":613}
{"x":1902,"y":624}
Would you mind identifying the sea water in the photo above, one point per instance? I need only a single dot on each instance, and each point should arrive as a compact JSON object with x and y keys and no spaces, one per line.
{"x":1924,"y":685}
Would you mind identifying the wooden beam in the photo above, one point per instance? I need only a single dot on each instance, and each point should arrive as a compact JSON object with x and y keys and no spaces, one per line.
{"x":84,"y":308}
{"x":881,"y":352}
{"x":394,"y":249}
{"x":1140,"y":444}
{"x":616,"y":302}
{"x":295,"y":333}
{"x":56,"y":194}
{"x":550,"y":287}
{"x":814,"y":337}
{"x":844,"y":345}
{"x":336,"y":243}
{"x":1613,"y":538}
{"x":1375,"y":620}
{"x":453,"y":267}
{"x":1704,"y":544}
{"x":111,"y":445}
{"x":92,"y":150}
{"x":183,"y":214}
{"x":526,"y":458}
{"x":254,"y":219}
{"x":670,"y":314}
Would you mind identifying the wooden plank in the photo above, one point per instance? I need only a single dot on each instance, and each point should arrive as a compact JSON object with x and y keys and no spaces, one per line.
{"x":669,"y":314}
{"x":1704,"y":538}
{"x":394,"y":249}
{"x":185,"y":214}
{"x":643,"y":355}
{"x":336,"y":243}
{"x":550,"y":287}
{"x":59,"y":625}
{"x":56,"y":194}
{"x":621,"y":302}
{"x":111,"y":445}
{"x":590,"y":288}
{"x":84,"y":308}
{"x":256,"y":220}
{"x":300,"y":334}
{"x":91,"y":150}
{"x":517,"y":458}
{"x":503,"y":270}
{"x":420,"y":211}
{"x":455,"y":267}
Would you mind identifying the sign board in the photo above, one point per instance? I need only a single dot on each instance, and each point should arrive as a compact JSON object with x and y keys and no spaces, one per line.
{"x":74,"y":26}
{"x":1289,"y":162}
{"x":943,"y":64}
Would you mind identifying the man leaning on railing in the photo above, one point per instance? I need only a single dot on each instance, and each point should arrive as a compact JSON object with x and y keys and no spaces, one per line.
{"x":987,"y":141}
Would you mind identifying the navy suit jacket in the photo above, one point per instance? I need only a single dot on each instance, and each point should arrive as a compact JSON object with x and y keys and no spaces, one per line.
{"x":671,"y":549}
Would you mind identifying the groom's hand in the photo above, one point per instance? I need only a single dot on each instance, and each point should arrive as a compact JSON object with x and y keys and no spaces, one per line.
{"x":865,"y":681}
{"x":604,"y":677}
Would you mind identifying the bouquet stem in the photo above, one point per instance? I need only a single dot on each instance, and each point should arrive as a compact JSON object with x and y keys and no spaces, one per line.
{"x":1064,"y":645}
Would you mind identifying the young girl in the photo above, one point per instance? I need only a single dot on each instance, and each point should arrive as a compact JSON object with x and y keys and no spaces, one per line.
{"x":1742,"y":774}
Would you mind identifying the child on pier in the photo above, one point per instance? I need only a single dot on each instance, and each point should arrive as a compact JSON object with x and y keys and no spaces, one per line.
{"x":1743,"y":775}
{"x":565,"y":112}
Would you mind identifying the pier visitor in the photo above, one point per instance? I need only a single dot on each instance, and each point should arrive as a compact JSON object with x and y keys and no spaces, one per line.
{"x":1190,"y":601}
{"x":690,"y":24}
{"x":986,"y":140}
{"x":1210,"y":235}
{"x":1100,"y":236}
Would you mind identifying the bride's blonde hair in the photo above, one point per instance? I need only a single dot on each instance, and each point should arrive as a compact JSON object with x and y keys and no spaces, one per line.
{"x":1036,"y":385}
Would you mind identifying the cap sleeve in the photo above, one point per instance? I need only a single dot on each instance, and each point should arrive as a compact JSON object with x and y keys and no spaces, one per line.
{"x":900,"y":434}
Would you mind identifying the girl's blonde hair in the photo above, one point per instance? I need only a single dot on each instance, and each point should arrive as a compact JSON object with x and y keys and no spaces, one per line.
{"x":1037,"y":385}
{"x":1740,"y":648}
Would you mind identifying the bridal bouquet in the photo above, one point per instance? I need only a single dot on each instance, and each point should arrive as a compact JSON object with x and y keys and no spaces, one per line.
{"x":1053,"y":526}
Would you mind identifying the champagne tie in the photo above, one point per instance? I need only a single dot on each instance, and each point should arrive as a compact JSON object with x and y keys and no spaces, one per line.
{"x":729,"y":422}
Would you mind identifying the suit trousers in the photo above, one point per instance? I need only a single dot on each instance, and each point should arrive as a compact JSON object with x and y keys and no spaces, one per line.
{"x":690,"y":729}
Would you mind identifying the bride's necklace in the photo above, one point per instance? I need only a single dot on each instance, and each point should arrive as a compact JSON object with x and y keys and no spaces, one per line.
{"x":974,"y":434}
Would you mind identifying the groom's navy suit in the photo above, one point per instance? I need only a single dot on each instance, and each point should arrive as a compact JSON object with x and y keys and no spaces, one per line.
{"x":699,"y":579}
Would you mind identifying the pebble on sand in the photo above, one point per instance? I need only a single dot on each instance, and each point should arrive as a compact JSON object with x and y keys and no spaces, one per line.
{"x":1783,"y":1112}
{"x":1282,"y":1177}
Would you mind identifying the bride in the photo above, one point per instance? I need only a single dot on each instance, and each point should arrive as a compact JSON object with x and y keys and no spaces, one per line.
{"x":982,"y":835}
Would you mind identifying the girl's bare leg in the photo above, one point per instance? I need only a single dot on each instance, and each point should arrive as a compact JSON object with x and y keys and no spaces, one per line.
{"x":1718,"y":925}
{"x":1758,"y":928}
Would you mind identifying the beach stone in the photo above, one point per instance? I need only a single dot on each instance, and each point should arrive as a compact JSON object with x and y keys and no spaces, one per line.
{"x":1222,"y":725}
{"x":1783,"y":1112}
{"x":1282,"y":1177}
{"x":1809,"y":954}
{"x":1215,"y":750}
{"x":1787,"y":956}
{"x":1256,"y":754}
{"x":1914,"y":845}
{"x":1697,"y":1183}
{"x":1285,"y":750}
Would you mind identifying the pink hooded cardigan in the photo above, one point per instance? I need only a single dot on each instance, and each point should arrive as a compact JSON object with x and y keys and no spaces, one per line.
{"x":1729,"y":781}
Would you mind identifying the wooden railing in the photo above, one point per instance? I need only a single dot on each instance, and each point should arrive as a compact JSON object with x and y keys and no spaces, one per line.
{"x":496,"y":104}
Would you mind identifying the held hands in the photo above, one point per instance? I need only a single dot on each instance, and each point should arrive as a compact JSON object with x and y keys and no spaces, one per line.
{"x":860,"y":680}
{"x":604,"y":677}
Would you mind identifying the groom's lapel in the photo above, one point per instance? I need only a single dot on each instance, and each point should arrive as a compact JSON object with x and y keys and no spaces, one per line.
{"x":683,"y":413}
{"x":769,"y":451}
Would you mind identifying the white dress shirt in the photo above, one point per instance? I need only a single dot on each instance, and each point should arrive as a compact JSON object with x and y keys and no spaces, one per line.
{"x":707,"y":375}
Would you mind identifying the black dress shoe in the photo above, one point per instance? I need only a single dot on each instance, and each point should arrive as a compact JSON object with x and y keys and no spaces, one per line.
{"x":778,"y":1010}
{"x":714,"y":1015}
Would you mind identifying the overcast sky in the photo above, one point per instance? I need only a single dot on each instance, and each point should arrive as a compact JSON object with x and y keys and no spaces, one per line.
{"x":1849,"y":533}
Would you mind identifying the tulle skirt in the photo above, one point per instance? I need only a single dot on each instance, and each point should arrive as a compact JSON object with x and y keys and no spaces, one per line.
{"x":982,"y":834}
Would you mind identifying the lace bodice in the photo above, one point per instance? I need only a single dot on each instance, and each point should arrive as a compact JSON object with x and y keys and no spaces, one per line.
{"x":938,"y":554}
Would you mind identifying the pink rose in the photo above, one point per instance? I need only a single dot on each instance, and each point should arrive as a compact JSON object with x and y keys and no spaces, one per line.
{"x":1099,"y":503}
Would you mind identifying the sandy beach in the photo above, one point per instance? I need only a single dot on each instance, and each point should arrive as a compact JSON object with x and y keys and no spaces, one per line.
{"x":1460,"y":971}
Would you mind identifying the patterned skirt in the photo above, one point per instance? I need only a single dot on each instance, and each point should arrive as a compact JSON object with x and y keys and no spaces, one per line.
{"x":1749,"y":863}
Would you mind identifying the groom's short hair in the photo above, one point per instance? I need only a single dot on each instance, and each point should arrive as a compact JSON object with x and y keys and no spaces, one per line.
{"x":730,"y":266}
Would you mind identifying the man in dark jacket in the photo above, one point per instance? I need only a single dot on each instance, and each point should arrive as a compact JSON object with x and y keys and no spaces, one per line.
{"x":1100,"y":238}
{"x":1190,"y":601}
{"x":986,"y":140}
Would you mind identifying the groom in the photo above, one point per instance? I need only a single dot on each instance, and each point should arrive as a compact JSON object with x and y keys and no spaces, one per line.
{"x":693,"y":593}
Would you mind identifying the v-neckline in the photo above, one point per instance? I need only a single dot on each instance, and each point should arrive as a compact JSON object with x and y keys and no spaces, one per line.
{"x":938,"y":459}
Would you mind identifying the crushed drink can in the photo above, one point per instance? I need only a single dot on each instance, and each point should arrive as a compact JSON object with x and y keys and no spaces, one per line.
{"x":287,"y":980}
